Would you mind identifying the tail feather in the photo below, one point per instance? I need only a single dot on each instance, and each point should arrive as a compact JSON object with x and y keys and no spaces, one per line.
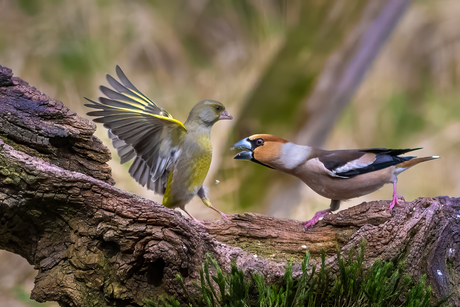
{"x":415,"y":161}
{"x":387,"y":151}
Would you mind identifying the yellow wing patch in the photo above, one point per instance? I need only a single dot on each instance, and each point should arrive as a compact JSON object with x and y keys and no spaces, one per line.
{"x":142,"y":100}
{"x":169,"y":119}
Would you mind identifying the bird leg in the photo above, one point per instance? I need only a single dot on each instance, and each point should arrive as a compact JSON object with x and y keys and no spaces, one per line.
{"x":194,"y":219}
{"x":202,"y":194}
{"x":335,"y":204}
{"x":208,"y":203}
{"x":316,"y":218}
{"x":396,"y":198}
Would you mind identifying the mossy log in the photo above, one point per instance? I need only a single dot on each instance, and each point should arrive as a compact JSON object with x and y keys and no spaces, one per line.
{"x":95,"y":245}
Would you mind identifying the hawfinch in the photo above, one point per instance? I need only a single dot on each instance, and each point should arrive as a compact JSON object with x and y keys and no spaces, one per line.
{"x":334,"y":174}
{"x":170,"y":158}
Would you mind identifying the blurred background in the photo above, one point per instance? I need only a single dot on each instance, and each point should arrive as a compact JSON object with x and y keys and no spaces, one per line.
{"x":280,"y":67}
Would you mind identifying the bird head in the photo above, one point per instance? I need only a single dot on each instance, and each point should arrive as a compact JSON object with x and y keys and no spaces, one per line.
{"x":264,"y":149}
{"x":208,"y":112}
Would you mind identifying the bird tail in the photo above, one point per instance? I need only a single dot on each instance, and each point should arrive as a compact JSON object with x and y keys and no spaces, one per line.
{"x":415,"y":161}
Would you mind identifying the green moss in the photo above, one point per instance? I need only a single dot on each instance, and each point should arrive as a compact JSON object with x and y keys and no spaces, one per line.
{"x":261,"y":249}
{"x":23,"y":148}
{"x":383,"y":284}
{"x":4,"y":172}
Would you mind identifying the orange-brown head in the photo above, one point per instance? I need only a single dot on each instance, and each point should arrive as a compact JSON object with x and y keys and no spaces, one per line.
{"x":264,"y":149}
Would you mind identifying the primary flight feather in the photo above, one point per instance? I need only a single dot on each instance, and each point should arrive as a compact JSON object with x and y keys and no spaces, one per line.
{"x":170,"y":157}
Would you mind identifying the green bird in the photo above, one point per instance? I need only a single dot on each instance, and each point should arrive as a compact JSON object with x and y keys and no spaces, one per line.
{"x":170,"y":158}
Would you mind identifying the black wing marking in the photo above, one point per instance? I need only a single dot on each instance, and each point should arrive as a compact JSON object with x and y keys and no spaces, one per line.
{"x":381,"y":162}
{"x":360,"y":162}
{"x":387,"y":151}
{"x":337,"y":158}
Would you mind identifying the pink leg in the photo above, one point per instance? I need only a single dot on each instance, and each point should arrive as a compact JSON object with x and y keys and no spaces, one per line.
{"x":194,"y":219}
{"x":206,"y":201}
{"x":396,"y":198}
{"x":316,"y":218}
{"x":225,"y":216}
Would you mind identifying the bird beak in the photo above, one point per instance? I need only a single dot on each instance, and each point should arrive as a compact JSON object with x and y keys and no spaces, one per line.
{"x":246,"y":146}
{"x":244,"y":155}
{"x":225,"y":115}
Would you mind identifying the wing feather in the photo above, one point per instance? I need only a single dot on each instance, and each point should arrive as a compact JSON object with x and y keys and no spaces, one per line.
{"x":350,"y":163}
{"x":115,"y":96}
{"x":139,"y":129}
{"x":125,"y":151}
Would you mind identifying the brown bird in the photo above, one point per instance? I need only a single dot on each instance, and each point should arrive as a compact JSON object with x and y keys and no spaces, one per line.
{"x":335,"y":174}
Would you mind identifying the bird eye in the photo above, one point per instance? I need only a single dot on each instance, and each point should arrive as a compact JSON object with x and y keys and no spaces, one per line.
{"x":218,"y":108}
{"x":259,"y":142}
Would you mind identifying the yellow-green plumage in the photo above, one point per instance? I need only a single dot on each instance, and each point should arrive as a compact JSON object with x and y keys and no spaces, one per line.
{"x":191,"y":174}
{"x":170,"y":158}
{"x":199,"y":170}
{"x":167,"y":196}
{"x":190,"y":170}
{"x":200,"y":167}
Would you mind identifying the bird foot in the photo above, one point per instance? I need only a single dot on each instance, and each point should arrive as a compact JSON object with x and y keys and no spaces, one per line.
{"x":224,"y":216}
{"x":396,"y":198}
{"x":198,"y":222}
{"x":194,"y":219}
{"x":316,"y":218}
{"x":396,"y":201}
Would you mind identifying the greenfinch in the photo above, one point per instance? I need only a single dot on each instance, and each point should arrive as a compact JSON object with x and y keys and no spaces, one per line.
{"x":170,"y":157}
{"x":335,"y":174}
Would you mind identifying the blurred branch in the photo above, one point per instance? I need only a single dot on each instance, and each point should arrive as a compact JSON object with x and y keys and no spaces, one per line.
{"x":346,"y":68}
{"x":291,"y":75}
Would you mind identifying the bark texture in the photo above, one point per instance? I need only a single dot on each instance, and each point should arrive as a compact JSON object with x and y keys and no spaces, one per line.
{"x":95,"y":245}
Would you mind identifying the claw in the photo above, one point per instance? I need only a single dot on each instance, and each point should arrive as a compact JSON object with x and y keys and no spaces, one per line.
{"x":199,"y":222}
{"x":316,"y":218}
{"x":194,"y":219}
{"x":396,"y":198}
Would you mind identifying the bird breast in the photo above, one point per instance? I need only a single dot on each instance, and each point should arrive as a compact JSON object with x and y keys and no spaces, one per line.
{"x":198,"y":154}
{"x":317,"y":177}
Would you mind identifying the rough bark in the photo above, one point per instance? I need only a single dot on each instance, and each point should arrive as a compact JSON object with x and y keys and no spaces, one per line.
{"x":95,"y":245}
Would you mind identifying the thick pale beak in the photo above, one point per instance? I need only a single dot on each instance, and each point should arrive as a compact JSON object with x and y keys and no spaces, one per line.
{"x":246,"y":146}
{"x":247,"y":152}
{"x":225,"y":115}
{"x":244,"y":155}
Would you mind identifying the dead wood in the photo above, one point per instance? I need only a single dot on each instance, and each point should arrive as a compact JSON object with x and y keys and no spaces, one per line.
{"x":95,"y":245}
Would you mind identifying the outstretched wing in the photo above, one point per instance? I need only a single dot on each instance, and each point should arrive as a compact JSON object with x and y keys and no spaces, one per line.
{"x":139,"y":129}
{"x":139,"y":169}
{"x":350,"y":163}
